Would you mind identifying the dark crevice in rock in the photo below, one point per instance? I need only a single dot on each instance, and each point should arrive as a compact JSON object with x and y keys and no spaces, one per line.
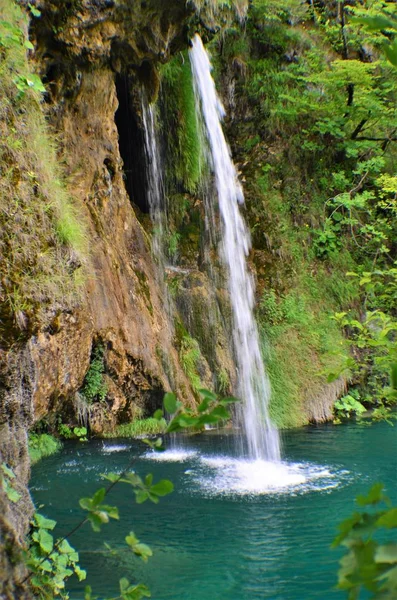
{"x":131,"y":145}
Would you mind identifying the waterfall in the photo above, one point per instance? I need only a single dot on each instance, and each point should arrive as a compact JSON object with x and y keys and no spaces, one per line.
{"x":155,"y":179}
{"x":254,"y":387}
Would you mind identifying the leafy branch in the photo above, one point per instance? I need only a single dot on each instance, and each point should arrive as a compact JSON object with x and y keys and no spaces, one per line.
{"x":368,"y":564}
{"x":53,"y":562}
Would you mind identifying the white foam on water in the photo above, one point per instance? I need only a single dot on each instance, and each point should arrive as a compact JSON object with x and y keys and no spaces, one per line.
{"x":223,"y":475}
{"x":170,"y":455}
{"x":114,"y":448}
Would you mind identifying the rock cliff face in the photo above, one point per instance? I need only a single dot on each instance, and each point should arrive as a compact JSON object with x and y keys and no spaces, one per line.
{"x":88,"y":53}
{"x":82,"y":49}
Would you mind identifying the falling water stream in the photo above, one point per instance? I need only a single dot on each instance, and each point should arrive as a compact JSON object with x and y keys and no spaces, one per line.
{"x":155,"y":178}
{"x":254,"y":388}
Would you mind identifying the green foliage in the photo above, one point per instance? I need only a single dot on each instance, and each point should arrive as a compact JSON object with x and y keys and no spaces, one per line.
{"x":127,"y":591}
{"x":94,"y":389}
{"x":190,"y":356}
{"x":98,"y":513}
{"x":172,"y":244}
{"x":50,"y":562}
{"x":369,"y":564}
{"x":316,"y":106}
{"x":80,"y":433}
{"x":65,"y":431}
{"x":138,"y":428}
{"x":7,"y":476}
{"x":42,"y":445}
{"x":144,"y":489}
{"x":42,"y":240}
{"x":297,"y":344}
{"x":223,"y":381}
{"x":349,"y":405}
{"x":384,"y":22}
{"x":139,"y":549}
{"x":185,"y":145}
{"x":373,"y":362}
{"x":211,"y":411}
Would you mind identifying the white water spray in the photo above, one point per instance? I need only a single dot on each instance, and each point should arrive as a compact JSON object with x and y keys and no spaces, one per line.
{"x":254,"y":387}
{"x":155,"y":179}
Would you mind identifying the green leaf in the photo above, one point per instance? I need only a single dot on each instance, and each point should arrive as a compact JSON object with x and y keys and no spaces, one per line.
{"x":95,"y":521}
{"x":386,"y":554}
{"x":158,"y":414}
{"x":7,"y":471}
{"x":374,"y":495}
{"x":208,"y":395}
{"x":207,"y":419}
{"x":81,"y":573}
{"x":46,"y":566}
{"x":162,"y":488}
{"x":85,"y":503}
{"x":174,"y":425}
{"x":11,"y":493}
{"x":113,"y":477}
{"x":376,"y":22}
{"x":345,"y":528}
{"x":203,"y":406}
{"x":187,"y":421}
{"x":65,"y":548}
{"x":132,"y":479}
{"x":220,"y":412}
{"x":35,"y":12}
{"x":45,"y":540}
{"x":44,"y":523}
{"x":388,"y":519}
{"x":170,"y":402}
{"x":229,"y":400}
{"x":98,"y":496}
{"x":143,"y":550}
{"x":141,"y":496}
{"x":391,"y":52}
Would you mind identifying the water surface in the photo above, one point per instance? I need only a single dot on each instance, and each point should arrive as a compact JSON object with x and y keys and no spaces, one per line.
{"x":232,"y":530}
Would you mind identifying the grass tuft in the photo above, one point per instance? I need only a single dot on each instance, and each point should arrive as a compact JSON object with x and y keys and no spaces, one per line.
{"x":138,"y":428}
{"x":42,"y":445}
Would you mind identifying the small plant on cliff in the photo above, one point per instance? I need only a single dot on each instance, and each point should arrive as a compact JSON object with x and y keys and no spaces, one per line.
{"x":190,"y":355}
{"x":7,"y":476}
{"x":94,"y":387}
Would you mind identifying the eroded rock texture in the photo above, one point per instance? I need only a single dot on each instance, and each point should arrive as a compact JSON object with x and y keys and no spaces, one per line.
{"x":82,"y":47}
